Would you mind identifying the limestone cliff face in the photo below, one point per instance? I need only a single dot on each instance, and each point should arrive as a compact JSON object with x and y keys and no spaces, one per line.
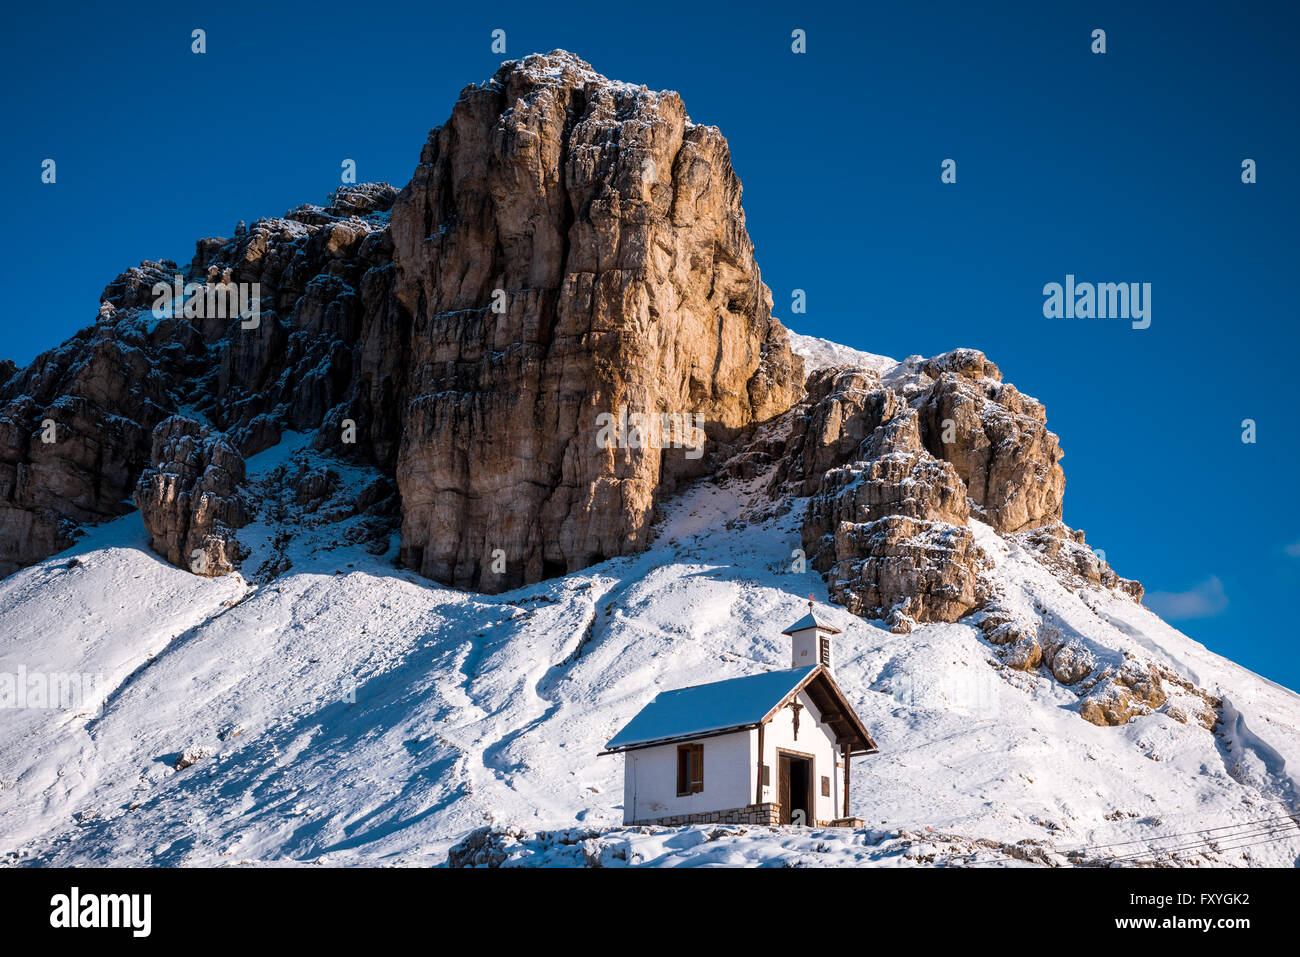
{"x":73,"y":429}
{"x":890,"y":530}
{"x":569,"y":247}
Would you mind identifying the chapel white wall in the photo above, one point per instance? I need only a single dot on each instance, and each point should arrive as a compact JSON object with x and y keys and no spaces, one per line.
{"x":650,"y":778}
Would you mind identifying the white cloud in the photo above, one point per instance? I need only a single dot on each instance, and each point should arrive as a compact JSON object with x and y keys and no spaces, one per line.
{"x":1206,"y":600}
{"x":1293,"y":549}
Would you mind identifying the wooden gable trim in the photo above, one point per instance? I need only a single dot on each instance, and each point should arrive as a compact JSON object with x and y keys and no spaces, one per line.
{"x":856,"y":732}
{"x":792,"y":694}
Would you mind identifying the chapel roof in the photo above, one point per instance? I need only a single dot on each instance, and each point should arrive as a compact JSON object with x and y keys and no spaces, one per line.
{"x":737,"y":704}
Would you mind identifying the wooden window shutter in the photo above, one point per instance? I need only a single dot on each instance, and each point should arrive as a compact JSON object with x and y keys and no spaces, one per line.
{"x":826,"y":786}
{"x":697,"y":768}
{"x":825,"y":650}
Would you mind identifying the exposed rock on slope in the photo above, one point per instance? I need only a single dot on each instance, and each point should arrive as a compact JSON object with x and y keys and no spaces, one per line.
{"x":897,"y":459}
{"x":1111,"y":692}
{"x":844,"y":406}
{"x":76,"y":425}
{"x":189,"y":497}
{"x":890,"y":531}
{"x":569,"y":247}
{"x":996,"y":438}
{"x":1062,"y":549}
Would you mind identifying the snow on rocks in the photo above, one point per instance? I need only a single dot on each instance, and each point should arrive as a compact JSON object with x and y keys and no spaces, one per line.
{"x":193,"y":754}
{"x":736,"y":845}
{"x":824,"y":354}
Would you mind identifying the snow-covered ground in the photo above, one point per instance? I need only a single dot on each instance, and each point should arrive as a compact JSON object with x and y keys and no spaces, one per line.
{"x":354,"y":713}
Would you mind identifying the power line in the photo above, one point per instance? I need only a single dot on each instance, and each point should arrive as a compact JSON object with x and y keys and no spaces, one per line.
{"x":1196,"y":846}
{"x":1266,"y":822}
{"x":1272,"y":831}
{"x":1219,"y":850}
{"x":1234,"y":847}
{"x":1268,"y":826}
{"x":1203,"y":830}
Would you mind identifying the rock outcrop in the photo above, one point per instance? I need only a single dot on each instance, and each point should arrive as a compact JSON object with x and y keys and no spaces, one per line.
{"x":327,"y":347}
{"x":890,"y":532}
{"x":189,"y":497}
{"x":897,"y":460}
{"x":569,"y":248}
{"x":73,"y":429}
{"x":1125,"y":692}
{"x":997,"y":440}
{"x":1063,"y":550}
{"x":842,"y":409}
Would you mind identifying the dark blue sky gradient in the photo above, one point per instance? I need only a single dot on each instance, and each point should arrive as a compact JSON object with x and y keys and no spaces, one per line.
{"x":1122,"y":167}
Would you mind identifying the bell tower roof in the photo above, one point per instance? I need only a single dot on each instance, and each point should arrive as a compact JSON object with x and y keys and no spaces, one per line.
{"x":811,"y":620}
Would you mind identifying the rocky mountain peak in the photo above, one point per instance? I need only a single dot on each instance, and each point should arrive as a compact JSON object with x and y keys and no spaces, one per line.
{"x":554,"y":325}
{"x":569,"y":249}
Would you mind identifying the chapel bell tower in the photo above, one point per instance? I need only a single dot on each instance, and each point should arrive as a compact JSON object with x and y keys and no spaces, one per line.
{"x":810,"y":641}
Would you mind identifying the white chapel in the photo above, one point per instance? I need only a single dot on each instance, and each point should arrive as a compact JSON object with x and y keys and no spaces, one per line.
{"x":771,"y":748}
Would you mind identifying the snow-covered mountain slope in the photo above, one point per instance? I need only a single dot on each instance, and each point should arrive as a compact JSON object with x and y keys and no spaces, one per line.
{"x":350,"y":712}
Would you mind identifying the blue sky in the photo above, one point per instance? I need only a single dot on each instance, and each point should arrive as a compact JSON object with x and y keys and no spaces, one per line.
{"x":1117,"y":167}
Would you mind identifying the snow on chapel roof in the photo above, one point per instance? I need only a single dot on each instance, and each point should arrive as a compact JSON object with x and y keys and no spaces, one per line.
{"x":718,"y":706}
{"x":811,"y":620}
